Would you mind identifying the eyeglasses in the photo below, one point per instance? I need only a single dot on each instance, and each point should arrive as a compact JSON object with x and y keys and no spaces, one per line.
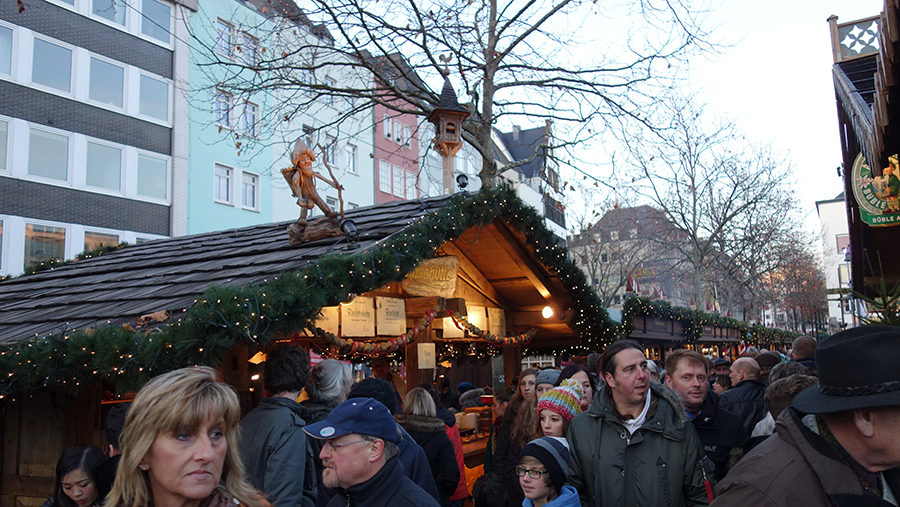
{"x":334,"y":447}
{"x":534,"y":474}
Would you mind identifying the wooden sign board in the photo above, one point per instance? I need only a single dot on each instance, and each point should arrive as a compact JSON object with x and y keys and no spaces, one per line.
{"x":329,"y":321}
{"x":433,"y":277}
{"x":358,"y":318}
{"x":390,"y":316}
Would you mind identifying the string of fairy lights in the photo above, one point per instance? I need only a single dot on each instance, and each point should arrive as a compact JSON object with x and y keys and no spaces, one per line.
{"x":224,"y":317}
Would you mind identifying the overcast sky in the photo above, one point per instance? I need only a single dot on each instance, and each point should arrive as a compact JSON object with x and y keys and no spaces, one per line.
{"x":776,"y":82}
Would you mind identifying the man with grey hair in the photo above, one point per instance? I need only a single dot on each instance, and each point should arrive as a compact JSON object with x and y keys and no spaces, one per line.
{"x":839,"y":442}
{"x":360,"y":458}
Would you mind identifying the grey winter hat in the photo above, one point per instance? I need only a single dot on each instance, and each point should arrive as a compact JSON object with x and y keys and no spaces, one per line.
{"x":554,"y":455}
{"x":857,"y":369}
{"x":547,"y":376}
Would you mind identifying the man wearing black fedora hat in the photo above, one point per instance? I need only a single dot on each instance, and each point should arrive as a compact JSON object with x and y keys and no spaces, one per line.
{"x":839,"y":444}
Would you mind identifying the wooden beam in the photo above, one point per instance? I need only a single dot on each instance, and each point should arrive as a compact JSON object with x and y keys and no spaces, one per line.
{"x":416,"y":307}
{"x":512,"y":364}
{"x":474,"y":277}
{"x":522,"y":259}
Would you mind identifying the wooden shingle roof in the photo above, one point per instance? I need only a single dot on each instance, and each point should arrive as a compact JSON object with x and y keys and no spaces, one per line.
{"x":169,"y":274}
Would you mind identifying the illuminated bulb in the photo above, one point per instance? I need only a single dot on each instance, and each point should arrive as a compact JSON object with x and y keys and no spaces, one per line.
{"x":254,"y":377}
{"x":547,"y":312}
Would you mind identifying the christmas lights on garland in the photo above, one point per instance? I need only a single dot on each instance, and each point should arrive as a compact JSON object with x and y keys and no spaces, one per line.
{"x":224,"y":317}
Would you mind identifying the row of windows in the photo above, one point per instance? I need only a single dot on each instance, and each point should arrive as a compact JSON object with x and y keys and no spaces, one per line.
{"x":396,"y":180}
{"x":25,"y":242}
{"x":224,"y":187}
{"x":48,"y":155}
{"x":395,"y":130}
{"x":148,"y":19}
{"x":62,"y":69}
{"x":236,"y":44}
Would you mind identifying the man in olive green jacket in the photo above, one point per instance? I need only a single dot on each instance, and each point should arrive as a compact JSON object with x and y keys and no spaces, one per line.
{"x":634,"y":445}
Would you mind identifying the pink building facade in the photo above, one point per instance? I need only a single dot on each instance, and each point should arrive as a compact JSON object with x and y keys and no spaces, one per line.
{"x":396,"y":155}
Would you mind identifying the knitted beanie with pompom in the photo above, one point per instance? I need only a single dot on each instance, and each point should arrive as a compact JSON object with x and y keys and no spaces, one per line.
{"x":564,"y":399}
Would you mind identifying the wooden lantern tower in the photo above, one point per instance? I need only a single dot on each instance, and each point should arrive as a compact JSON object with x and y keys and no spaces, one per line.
{"x":447,"y":118}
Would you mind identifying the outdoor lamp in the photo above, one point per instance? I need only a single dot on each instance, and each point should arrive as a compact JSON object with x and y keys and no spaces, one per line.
{"x":547,"y":312}
{"x":462,"y":180}
{"x":348,"y":227}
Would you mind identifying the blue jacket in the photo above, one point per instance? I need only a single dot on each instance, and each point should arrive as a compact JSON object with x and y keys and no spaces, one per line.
{"x":568,"y":497}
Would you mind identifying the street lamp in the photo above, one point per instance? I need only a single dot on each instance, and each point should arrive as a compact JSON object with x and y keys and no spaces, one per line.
{"x":447,"y":118}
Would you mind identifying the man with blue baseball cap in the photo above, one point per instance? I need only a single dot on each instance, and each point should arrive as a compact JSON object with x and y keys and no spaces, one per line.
{"x":360,"y":458}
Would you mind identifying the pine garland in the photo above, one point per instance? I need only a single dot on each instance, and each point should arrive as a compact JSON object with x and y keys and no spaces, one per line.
{"x":693,"y":321}
{"x":224,"y":317}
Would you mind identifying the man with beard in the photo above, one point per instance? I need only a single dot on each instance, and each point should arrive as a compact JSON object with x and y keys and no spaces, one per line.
{"x":719,"y":430}
{"x":634,"y":445}
{"x":360,"y":458}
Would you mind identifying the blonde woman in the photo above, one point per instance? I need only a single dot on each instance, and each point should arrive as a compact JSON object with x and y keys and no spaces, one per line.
{"x":180,"y":446}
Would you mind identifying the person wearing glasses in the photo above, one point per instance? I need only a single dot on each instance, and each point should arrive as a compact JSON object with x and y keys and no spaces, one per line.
{"x":359,"y":456}
{"x":542,"y":471}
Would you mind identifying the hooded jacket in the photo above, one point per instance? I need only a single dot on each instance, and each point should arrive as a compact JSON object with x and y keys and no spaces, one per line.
{"x":387,"y":488}
{"x":659,"y":464}
{"x":276,"y":455}
{"x":430,"y":434}
{"x":796,"y":468}
{"x":719,"y":431}
{"x":746,"y":400}
{"x":568,"y":497}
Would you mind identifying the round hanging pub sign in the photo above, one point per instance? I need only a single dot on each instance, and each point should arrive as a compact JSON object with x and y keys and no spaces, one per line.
{"x":877,"y":195}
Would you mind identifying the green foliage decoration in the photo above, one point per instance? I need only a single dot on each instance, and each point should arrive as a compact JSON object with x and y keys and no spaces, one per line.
{"x":223,"y":317}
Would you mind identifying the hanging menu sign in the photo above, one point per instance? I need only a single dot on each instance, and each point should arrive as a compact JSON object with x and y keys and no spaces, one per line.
{"x":358,"y":318}
{"x":390,"y":316}
{"x":496,"y":321}
{"x":329,"y":321}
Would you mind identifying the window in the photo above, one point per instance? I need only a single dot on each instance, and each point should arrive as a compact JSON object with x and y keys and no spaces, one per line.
{"x":331,"y":83}
{"x":398,"y":181}
{"x":248,"y":48}
{"x":154,"y":98}
{"x":107,"y":83}
{"x":156,"y":20}
{"x":352,"y":205}
{"x":43,"y":243}
{"x":152,"y":176}
{"x":104,"y":166}
{"x":308,"y":137}
{"x":330,"y":150}
{"x":223,"y":37}
{"x":332,"y":203}
{"x":384,"y":176}
{"x":614,"y":235}
{"x":604,"y":258}
{"x":112,"y":10}
{"x":398,"y":132}
{"x":406,"y":134}
{"x":249,"y":190}
{"x":350,"y":152}
{"x":6,"y":38}
{"x":222,"y":104}
{"x":1,"y":245}
{"x":4,"y":142}
{"x":386,"y":124}
{"x":48,"y":155}
{"x":52,"y":65}
{"x":222,"y":184}
{"x":411,"y":185}
{"x":95,"y":240}
{"x":249,"y":119}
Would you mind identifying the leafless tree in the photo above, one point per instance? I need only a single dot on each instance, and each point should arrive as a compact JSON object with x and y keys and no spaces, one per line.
{"x":730,"y":198}
{"x":580,"y":64}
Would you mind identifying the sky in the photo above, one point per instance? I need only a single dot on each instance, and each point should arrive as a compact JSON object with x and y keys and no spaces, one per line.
{"x":775,"y":83}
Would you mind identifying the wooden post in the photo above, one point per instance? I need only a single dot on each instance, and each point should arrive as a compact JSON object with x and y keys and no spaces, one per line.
{"x":448,"y":174}
{"x":512,"y":363}
{"x":414,"y":375}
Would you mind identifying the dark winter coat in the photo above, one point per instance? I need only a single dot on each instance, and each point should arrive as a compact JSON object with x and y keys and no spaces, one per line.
{"x":316,"y":412}
{"x":796,"y":468}
{"x":719,"y":431}
{"x":746,"y":400}
{"x":430,"y":434}
{"x":659,"y":465}
{"x":471,"y":398}
{"x":413,"y":464}
{"x":452,"y":431}
{"x":388,"y":488}
{"x":276,"y":454}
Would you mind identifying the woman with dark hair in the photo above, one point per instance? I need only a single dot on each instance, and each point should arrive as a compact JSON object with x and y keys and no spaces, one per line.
{"x":582,"y":375}
{"x":76,"y":482}
{"x":419,"y":419}
{"x":523,"y":396}
{"x":501,"y":401}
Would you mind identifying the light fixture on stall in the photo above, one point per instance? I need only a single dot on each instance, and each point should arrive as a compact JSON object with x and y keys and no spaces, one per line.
{"x":463,"y":181}
{"x":254,"y":377}
{"x":547,"y":312}
{"x":348,"y":227}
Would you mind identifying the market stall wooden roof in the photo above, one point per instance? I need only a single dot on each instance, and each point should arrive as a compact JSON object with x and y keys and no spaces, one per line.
{"x":247,"y":285}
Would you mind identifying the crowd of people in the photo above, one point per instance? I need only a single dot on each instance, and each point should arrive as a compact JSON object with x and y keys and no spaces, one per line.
{"x":819,"y":425}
